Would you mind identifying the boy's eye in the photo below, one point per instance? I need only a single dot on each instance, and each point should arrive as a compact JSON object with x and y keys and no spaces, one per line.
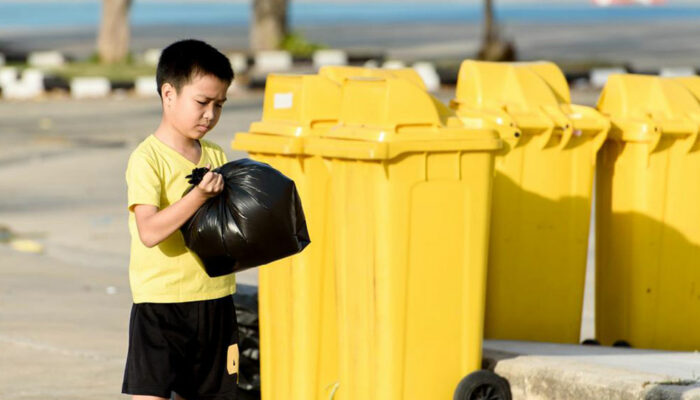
{"x":202,"y":102}
{"x":219,"y":105}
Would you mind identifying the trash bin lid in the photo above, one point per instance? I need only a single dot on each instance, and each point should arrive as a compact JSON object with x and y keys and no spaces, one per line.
{"x":382,"y":118}
{"x":520,"y":86}
{"x":523,"y":97}
{"x":294,"y":107}
{"x":643,"y":108}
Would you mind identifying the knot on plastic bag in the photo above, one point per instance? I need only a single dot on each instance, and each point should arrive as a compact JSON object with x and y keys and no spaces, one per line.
{"x":196,"y":176}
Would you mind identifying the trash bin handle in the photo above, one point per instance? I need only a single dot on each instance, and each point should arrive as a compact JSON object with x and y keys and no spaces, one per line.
{"x":656,"y":135}
{"x":600,"y":137}
{"x":638,"y":130}
{"x":693,"y":139}
{"x":566,"y":136}
{"x":689,"y":132}
{"x":498,"y":118}
{"x":602,"y":134}
{"x":400,"y":127}
{"x":557,"y":119}
{"x":316,"y":123}
{"x":507,"y":128}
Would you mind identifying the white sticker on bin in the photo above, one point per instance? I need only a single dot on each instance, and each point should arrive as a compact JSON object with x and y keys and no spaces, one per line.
{"x":283,"y":101}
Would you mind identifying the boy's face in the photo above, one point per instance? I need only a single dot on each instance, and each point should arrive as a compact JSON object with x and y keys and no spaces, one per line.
{"x":196,"y":109}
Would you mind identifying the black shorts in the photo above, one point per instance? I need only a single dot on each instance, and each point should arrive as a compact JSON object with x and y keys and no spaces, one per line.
{"x":187,"y":348}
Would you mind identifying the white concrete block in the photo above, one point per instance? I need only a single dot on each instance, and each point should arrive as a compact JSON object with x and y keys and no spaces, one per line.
{"x":146,"y":86}
{"x":239,"y":62}
{"x":672,"y":72}
{"x":329,"y":57}
{"x":273,"y":61}
{"x":90,"y":87}
{"x":393,"y":64}
{"x":20,"y":90}
{"x":33,"y":78}
{"x":599,"y":76}
{"x":371,"y":64}
{"x":152,"y":56}
{"x":30,"y":84}
{"x":429,"y":75}
{"x":46,"y":59}
{"x":8,"y":75}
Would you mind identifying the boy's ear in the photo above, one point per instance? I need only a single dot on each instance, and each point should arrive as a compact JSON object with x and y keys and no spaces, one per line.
{"x":169,"y":93}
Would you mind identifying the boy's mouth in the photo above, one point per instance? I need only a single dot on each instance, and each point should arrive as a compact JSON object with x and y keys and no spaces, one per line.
{"x":202,"y":128}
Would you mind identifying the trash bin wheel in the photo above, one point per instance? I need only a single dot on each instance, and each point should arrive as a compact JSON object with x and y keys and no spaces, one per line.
{"x":483,"y":385}
{"x":622,"y":343}
{"x":590,"y":342}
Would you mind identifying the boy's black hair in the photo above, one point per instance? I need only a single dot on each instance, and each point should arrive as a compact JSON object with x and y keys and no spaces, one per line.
{"x":183,"y":60}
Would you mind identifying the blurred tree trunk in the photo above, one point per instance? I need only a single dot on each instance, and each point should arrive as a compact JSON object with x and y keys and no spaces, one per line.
{"x":114,"y":35}
{"x":490,"y":33}
{"x":268,"y":25}
{"x":493,"y":47}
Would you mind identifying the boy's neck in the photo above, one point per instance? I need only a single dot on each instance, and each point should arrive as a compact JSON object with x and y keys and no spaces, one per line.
{"x":174,"y":139}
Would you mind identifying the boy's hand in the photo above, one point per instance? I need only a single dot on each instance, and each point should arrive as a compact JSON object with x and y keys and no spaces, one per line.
{"x":212,"y":184}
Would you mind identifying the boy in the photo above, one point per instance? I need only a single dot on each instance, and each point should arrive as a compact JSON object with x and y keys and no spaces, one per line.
{"x":183,"y":333}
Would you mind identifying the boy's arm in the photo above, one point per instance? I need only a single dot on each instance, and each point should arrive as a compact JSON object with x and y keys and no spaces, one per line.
{"x":155,"y":225}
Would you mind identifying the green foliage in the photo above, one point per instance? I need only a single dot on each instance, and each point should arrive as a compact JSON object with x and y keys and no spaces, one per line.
{"x":95,"y":58}
{"x":125,"y":71}
{"x":298,"y":45}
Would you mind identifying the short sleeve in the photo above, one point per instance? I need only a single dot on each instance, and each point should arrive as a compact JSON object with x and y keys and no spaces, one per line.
{"x":142,"y":181}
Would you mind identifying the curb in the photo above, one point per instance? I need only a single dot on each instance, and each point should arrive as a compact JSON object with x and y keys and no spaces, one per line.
{"x":253,"y":70}
{"x":575,"y":372}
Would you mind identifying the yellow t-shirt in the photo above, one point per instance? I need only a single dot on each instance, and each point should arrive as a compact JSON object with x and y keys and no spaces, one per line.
{"x":168,"y":272}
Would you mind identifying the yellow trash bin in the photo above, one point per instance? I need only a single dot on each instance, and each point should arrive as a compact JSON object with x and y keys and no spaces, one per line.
{"x":297,"y":314}
{"x":410,"y":190}
{"x":647,"y":215}
{"x":541,"y":196}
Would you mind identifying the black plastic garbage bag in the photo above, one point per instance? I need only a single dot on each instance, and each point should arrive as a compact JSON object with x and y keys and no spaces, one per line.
{"x":255,"y":220}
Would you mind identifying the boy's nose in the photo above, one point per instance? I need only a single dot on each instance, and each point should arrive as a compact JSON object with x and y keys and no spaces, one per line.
{"x":209,"y":113}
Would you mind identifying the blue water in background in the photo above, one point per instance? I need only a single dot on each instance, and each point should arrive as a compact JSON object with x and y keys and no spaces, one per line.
{"x":27,"y":14}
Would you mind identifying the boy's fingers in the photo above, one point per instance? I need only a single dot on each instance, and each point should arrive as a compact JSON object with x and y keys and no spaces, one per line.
{"x":212,"y":181}
{"x":213,"y":173}
{"x":208,"y":179}
{"x":217,"y":182}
